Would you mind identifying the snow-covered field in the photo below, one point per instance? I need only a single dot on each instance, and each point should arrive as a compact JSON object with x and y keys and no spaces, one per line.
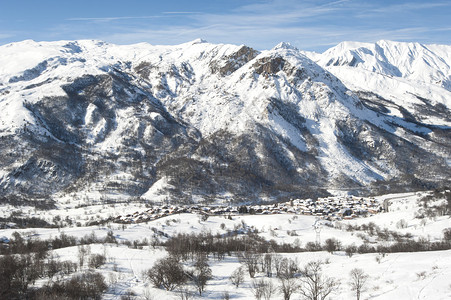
{"x":415,"y":275}
{"x":396,"y":276}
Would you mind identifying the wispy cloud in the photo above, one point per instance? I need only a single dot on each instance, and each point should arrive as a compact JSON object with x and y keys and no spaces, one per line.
{"x":285,"y":11}
{"x":276,"y":5}
{"x":5,"y":35}
{"x":114,"y":18}
{"x":374,"y":11}
{"x":181,"y":12}
{"x":395,"y":8}
{"x":304,"y":37}
{"x":308,"y":24}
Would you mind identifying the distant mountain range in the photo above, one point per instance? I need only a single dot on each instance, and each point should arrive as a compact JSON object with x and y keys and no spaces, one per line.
{"x":201,"y":122}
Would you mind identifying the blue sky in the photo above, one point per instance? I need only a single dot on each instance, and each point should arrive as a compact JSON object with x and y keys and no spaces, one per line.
{"x":309,"y":25}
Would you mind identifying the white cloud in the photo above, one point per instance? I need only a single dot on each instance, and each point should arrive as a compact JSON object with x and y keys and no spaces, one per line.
{"x":395,"y":8}
{"x":181,"y":12}
{"x":113,"y":18}
{"x":309,"y":25}
{"x":6,"y":35}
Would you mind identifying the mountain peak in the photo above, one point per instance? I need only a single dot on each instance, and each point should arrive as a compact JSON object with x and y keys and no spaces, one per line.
{"x":425,"y":63}
{"x":198,"y":41}
{"x":285,"y":45}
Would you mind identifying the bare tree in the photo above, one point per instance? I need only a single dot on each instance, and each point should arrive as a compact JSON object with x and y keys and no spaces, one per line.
{"x":288,"y":286}
{"x":276,"y":259}
{"x":286,"y":270}
{"x":52,"y":265}
{"x":257,"y":288}
{"x":358,"y":281}
{"x":314,"y":285}
{"x":147,"y":295}
{"x":269,"y":290}
{"x":82,"y":253}
{"x":17,"y":272}
{"x":285,"y":267}
{"x":267,"y":264}
{"x":263,"y":289}
{"x":237,"y":276}
{"x":201,"y":273}
{"x":185,"y":294}
{"x":250,"y":259}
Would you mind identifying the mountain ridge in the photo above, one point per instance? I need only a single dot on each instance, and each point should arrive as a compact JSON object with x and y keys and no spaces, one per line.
{"x":205,"y":121}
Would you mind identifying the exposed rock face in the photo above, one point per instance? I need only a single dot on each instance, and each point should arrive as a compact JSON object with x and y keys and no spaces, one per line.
{"x":269,"y":65}
{"x":232,"y":62}
{"x":203,"y":122}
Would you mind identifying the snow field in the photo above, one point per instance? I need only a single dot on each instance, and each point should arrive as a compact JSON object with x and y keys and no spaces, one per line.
{"x":419,"y":275}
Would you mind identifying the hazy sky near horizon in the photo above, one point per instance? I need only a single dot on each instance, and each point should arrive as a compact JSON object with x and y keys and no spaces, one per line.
{"x":261,"y":24}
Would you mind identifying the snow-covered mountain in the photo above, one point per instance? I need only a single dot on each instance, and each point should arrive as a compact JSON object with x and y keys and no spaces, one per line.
{"x":413,"y":76}
{"x":429,"y":64}
{"x":200,"y":121}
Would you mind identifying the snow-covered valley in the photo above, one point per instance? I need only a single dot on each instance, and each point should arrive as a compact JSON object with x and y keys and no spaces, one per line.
{"x":134,"y":248}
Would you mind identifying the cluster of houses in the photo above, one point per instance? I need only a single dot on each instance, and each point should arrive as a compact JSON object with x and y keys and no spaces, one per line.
{"x":331,"y":208}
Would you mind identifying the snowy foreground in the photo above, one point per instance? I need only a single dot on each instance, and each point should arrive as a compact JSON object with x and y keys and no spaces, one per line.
{"x":413,"y":275}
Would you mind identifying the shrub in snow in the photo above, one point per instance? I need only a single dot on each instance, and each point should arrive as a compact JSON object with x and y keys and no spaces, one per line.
{"x":96,"y":260}
{"x":311,"y":247}
{"x":401,"y":224}
{"x":350,"y":250}
{"x":225,"y":296}
{"x":332,"y":245}
{"x":167,"y":273}
{"x":421,"y":275}
{"x":237,"y":277}
{"x":447,"y":234}
{"x":88,"y":285}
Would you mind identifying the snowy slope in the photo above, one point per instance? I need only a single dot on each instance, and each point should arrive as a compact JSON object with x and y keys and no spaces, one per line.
{"x":198,"y":120}
{"x":429,"y":64}
{"x":411,"y":75}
